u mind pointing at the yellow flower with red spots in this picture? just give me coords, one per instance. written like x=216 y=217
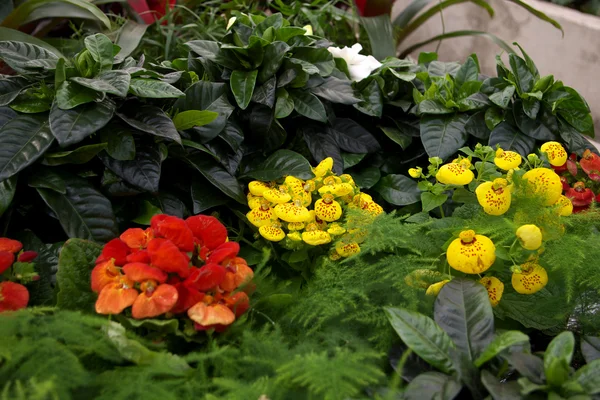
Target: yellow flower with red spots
x=507 y=160
x=494 y=287
x=471 y=253
x=494 y=197
x=455 y=174
x=546 y=183
x=529 y=278
x=556 y=153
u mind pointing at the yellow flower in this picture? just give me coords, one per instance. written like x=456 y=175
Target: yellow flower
x=254 y=201
x=366 y=203
x=257 y=188
x=507 y=160
x=272 y=232
x=494 y=287
x=308 y=29
x=471 y=253
x=297 y=187
x=295 y=236
x=346 y=178
x=494 y=196
x=532 y=278
x=277 y=196
x=454 y=174
x=316 y=237
x=323 y=168
x=555 y=152
x=422 y=278
x=337 y=189
x=336 y=229
x=564 y=206
x=320 y=224
x=262 y=215
x=292 y=212
x=545 y=182
x=510 y=173
x=530 y=236
x=328 y=209
x=347 y=249
x=415 y=172
x=434 y=290
x=296 y=226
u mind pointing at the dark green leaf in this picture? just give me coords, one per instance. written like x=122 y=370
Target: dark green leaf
x=336 y=90
x=7 y=192
x=442 y=136
x=366 y=178
x=431 y=201
x=538 y=14
x=350 y=160
x=432 y=385
x=500 y=343
x=142 y=173
x=588 y=377
x=463 y=310
x=266 y=93
x=502 y=99
x=101 y=49
x=113 y=82
x=280 y=164
x=275 y=21
x=401 y=138
x=557 y=358
x=509 y=138
x=119 y=140
x=319 y=57
x=151 y=88
x=10 y=87
x=48 y=179
x=398 y=190
x=30 y=102
x=218 y=177
x=434 y=107
x=146 y=211
x=576 y=142
x=308 y=105
x=82 y=211
x=529 y=366
x=352 y=137
x=532 y=128
x=205 y=196
x=192 y=118
x=322 y=145
x=25 y=57
x=204 y=48
x=242 y=85
x=590 y=348
x=423 y=336
x=80 y=155
x=493 y=116
x=439 y=68
x=371 y=100
x=23 y=140
x=75 y=263
x=468 y=72
x=476 y=126
x=274 y=54
x=70 y=95
x=72 y=126
x=524 y=77
x=149 y=119
x=284 y=105
x=531 y=107
x=500 y=390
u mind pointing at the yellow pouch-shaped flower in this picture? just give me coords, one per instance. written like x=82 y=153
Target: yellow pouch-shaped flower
x=544 y=182
x=276 y=196
x=292 y=212
x=254 y=201
x=296 y=226
x=532 y=278
x=295 y=236
x=273 y=232
x=336 y=229
x=261 y=215
x=323 y=168
x=454 y=174
x=555 y=152
x=564 y=206
x=494 y=287
x=299 y=189
x=471 y=253
x=257 y=188
x=337 y=189
x=494 y=197
x=347 y=249
x=530 y=236
x=316 y=237
x=507 y=160
x=328 y=209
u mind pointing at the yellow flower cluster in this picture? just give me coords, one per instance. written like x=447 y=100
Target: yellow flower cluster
x=286 y=210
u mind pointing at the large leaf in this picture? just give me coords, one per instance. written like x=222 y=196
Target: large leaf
x=588 y=377
x=10 y=87
x=284 y=105
x=18 y=36
x=7 y=193
x=21 y=13
x=319 y=57
x=468 y=72
x=464 y=312
x=80 y=155
x=308 y=105
x=443 y=135
x=557 y=358
x=114 y=82
x=500 y=343
x=242 y=85
x=192 y=118
x=352 y=137
x=398 y=190
x=432 y=385
x=531 y=127
x=381 y=35
x=274 y=54
x=142 y=173
x=371 y=100
x=424 y=337
x=509 y=138
x=72 y=126
x=539 y=14
x=529 y=366
x=75 y=263
x=322 y=145
x=336 y=90
x=216 y=175
x=23 y=57
x=205 y=195
x=130 y=36
x=282 y=163
x=151 y=88
x=70 y=95
x=119 y=141
x=47 y=178
x=500 y=390
x=23 y=140
x=590 y=348
x=266 y=93
x=524 y=77
x=149 y=119
x=82 y=211
x=101 y=50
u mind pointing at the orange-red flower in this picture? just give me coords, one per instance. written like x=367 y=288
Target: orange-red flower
x=27 y=256
x=116 y=249
x=6 y=260
x=208 y=231
x=154 y=300
x=590 y=162
x=579 y=195
x=116 y=296
x=237 y=274
x=206 y=278
x=166 y=256
x=141 y=256
x=13 y=296
x=187 y=297
x=104 y=273
x=224 y=252
x=174 y=229
x=137 y=238
x=207 y=316
x=139 y=272
x=10 y=245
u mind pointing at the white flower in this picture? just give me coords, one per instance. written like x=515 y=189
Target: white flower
x=230 y=23
x=308 y=29
x=359 y=66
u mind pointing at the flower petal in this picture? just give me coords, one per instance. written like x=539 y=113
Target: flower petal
x=160 y=301
x=225 y=251
x=141 y=256
x=116 y=249
x=6 y=260
x=166 y=256
x=13 y=296
x=545 y=182
x=139 y=272
x=494 y=287
x=208 y=230
x=137 y=238
x=530 y=236
x=259 y=217
x=174 y=229
x=532 y=278
x=103 y=274
x=10 y=245
x=27 y=256
x=187 y=297
x=316 y=238
x=556 y=153
x=114 y=298
x=238 y=303
x=211 y=315
x=470 y=253
x=329 y=212
x=454 y=174
x=206 y=277
x=272 y=233
x=290 y=212
x=495 y=197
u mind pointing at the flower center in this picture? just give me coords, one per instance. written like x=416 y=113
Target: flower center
x=467 y=236
x=579 y=187
x=328 y=198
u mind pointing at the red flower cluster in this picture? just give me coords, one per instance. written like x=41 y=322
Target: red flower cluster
x=13 y=296
x=577 y=186
x=173 y=267
x=373 y=8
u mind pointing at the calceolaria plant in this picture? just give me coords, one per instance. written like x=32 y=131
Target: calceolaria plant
x=16 y=269
x=307 y=213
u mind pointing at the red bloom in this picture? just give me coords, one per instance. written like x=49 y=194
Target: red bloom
x=224 y=252
x=137 y=238
x=206 y=278
x=579 y=195
x=152 y=10
x=6 y=260
x=208 y=230
x=103 y=274
x=139 y=256
x=27 y=256
x=115 y=297
x=237 y=274
x=561 y=169
x=238 y=303
x=572 y=164
x=166 y=256
x=187 y=297
x=116 y=249
x=565 y=183
x=174 y=229
x=13 y=296
x=139 y=272
x=373 y=8
x=12 y=246
x=154 y=300
x=590 y=162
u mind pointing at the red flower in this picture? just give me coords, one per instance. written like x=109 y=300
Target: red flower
x=12 y=246
x=154 y=300
x=139 y=272
x=152 y=10
x=166 y=256
x=373 y=8
x=27 y=256
x=206 y=278
x=237 y=274
x=6 y=260
x=579 y=195
x=223 y=253
x=116 y=249
x=560 y=169
x=13 y=296
x=137 y=238
x=590 y=162
x=565 y=183
x=572 y=164
x=139 y=256
x=174 y=229
x=209 y=232
x=238 y=302
x=187 y=298
x=103 y=274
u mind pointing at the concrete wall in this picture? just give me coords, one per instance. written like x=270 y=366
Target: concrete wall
x=574 y=58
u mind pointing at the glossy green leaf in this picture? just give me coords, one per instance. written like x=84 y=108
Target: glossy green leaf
x=399 y=137
x=398 y=190
x=101 y=49
x=280 y=164
x=442 y=136
x=476 y=126
x=286 y=33
x=431 y=201
x=217 y=176
x=557 y=358
x=205 y=196
x=274 y=54
x=381 y=35
x=72 y=126
x=29 y=101
x=336 y=90
x=352 y=137
x=75 y=263
x=10 y=87
x=502 y=99
x=534 y=128
x=500 y=343
x=242 y=85
x=18 y=36
x=114 y=82
x=319 y=57
x=423 y=336
x=284 y=105
x=590 y=348
x=266 y=93
x=142 y=173
x=308 y=105
x=82 y=211
x=371 y=100
x=21 y=13
x=529 y=366
x=500 y=390
x=493 y=116
x=366 y=178
x=523 y=76
x=192 y=118
x=80 y=155
x=7 y=193
x=151 y=88
x=120 y=144
x=509 y=138
x=467 y=72
x=588 y=377
x=70 y=95
x=432 y=385
x=47 y=178
x=23 y=140
x=26 y=57
x=146 y=211
x=149 y=119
